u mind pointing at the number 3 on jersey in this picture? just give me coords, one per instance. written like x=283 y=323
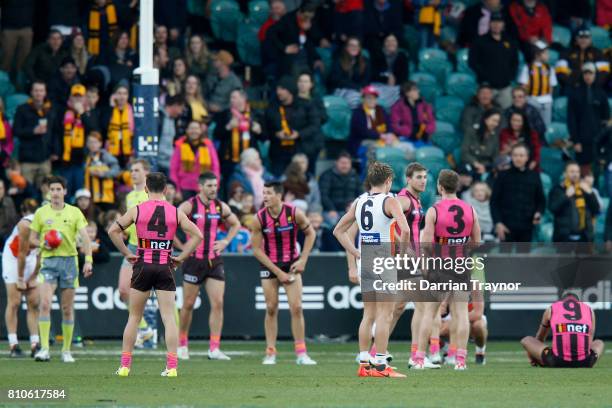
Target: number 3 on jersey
x=157 y=223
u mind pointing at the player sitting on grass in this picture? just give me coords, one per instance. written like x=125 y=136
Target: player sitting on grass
x=573 y=326
x=156 y=224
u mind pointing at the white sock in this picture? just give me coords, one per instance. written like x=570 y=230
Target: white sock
x=34 y=339
x=380 y=359
x=481 y=350
x=12 y=338
x=364 y=356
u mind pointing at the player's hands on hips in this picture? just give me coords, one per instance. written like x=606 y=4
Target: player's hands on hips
x=298 y=266
x=353 y=277
x=87 y=269
x=131 y=258
x=176 y=261
x=219 y=246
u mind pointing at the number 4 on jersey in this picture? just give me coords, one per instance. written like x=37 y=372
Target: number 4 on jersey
x=157 y=223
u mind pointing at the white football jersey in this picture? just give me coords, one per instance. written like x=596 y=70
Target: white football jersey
x=374 y=225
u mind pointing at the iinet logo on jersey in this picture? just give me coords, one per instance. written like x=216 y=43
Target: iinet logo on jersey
x=572 y=328
x=315 y=298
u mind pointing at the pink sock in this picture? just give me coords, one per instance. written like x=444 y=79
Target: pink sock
x=452 y=351
x=419 y=357
x=214 y=342
x=126 y=359
x=413 y=350
x=373 y=350
x=171 y=360
x=300 y=347
x=461 y=354
x=434 y=345
x=183 y=339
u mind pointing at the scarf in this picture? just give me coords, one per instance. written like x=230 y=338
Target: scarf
x=74 y=133
x=188 y=158
x=2 y=128
x=422 y=124
x=375 y=119
x=241 y=135
x=95 y=24
x=579 y=202
x=430 y=15
x=302 y=37
x=44 y=110
x=120 y=131
x=257 y=184
x=285 y=127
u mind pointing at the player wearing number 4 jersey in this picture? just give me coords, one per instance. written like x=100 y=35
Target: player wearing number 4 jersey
x=156 y=223
x=376 y=214
x=573 y=326
x=275 y=246
x=449 y=224
x=205 y=264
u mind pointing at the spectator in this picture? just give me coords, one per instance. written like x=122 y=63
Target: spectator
x=119 y=123
x=603 y=12
x=571 y=13
x=17 y=22
x=519 y=132
x=305 y=88
x=79 y=53
x=472 y=113
x=18 y=187
x=172 y=196
x=251 y=175
x=235 y=198
x=221 y=82
x=193 y=155
x=381 y=18
x=390 y=66
x=519 y=104
x=6 y=141
x=291 y=124
x=8 y=214
x=175 y=84
x=313 y=198
x=479 y=197
x=122 y=59
x=195 y=100
x=296 y=186
x=268 y=51
x=82 y=199
x=70 y=134
x=161 y=60
x=277 y=11
x=64 y=15
x=107 y=219
x=316 y=221
x=293 y=49
x=237 y=129
x=518 y=200
x=61 y=83
x=350 y=71
x=348 y=20
x=45 y=59
x=161 y=42
x=411 y=117
x=198 y=57
x=532 y=20
x=99 y=250
x=569 y=66
x=339 y=186
x=429 y=20
x=477 y=18
x=32 y=126
x=587 y=112
x=168 y=130
x=574 y=206
x=101 y=168
x=494 y=59
x=93 y=97
x=480 y=145
x=540 y=81
x=172 y=15
x=102 y=25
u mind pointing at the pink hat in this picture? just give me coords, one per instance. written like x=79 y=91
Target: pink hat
x=369 y=90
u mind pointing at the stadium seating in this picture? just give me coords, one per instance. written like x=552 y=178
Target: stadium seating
x=435 y=62
x=461 y=85
x=396 y=158
x=551 y=162
x=6 y=87
x=225 y=17
x=410 y=40
x=12 y=102
x=338 y=125
x=561 y=35
x=428 y=197
x=560 y=109
x=448 y=109
x=447 y=141
x=463 y=61
x=429 y=152
x=247 y=43
x=556 y=131
x=434 y=164
x=601 y=38
x=442 y=126
x=546 y=183
x=258 y=11
x=427 y=84
x=553 y=57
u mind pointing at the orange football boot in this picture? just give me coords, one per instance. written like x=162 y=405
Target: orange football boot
x=384 y=370
x=364 y=370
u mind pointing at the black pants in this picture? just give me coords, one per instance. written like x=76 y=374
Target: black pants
x=523 y=237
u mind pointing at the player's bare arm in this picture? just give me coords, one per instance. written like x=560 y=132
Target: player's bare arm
x=544 y=326
x=592 y=333
x=477 y=310
x=340 y=232
x=185 y=208
x=115 y=232
x=195 y=237
x=393 y=207
x=350 y=258
x=310 y=236
x=88 y=265
x=476 y=234
x=405 y=203
x=260 y=255
x=23 y=229
x=233 y=225
x=427 y=235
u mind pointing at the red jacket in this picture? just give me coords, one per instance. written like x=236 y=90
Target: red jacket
x=346 y=6
x=539 y=24
x=604 y=12
x=506 y=137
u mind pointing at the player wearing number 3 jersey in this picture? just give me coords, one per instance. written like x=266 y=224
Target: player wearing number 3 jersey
x=156 y=223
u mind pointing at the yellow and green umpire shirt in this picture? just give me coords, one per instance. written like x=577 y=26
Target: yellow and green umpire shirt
x=132 y=200
x=67 y=221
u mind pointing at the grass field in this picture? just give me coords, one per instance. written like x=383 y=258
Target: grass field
x=506 y=381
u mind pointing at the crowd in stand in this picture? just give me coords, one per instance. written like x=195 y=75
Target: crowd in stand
x=66 y=86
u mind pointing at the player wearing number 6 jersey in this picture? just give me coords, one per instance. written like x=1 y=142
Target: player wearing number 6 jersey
x=376 y=213
x=450 y=224
x=156 y=223
x=573 y=326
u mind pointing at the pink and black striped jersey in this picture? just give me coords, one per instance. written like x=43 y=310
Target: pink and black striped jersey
x=208 y=217
x=415 y=216
x=571 y=323
x=156 y=223
x=279 y=234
